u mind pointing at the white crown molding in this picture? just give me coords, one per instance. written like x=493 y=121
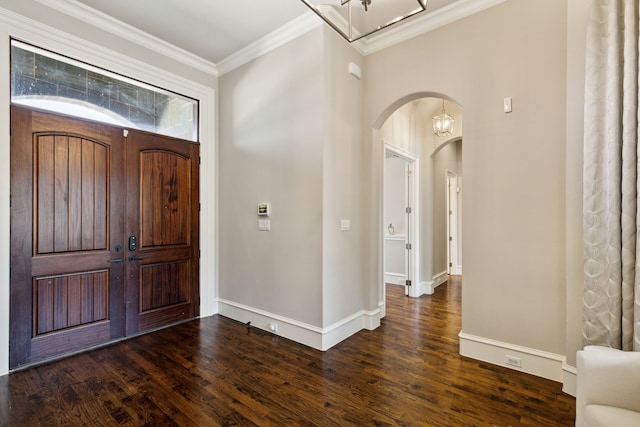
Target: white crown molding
x=293 y=29
x=425 y=23
x=289 y=31
x=101 y=20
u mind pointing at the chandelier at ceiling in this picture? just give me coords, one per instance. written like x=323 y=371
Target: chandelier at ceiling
x=443 y=123
x=355 y=19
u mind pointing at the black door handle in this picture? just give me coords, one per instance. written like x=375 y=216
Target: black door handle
x=132 y=258
x=116 y=260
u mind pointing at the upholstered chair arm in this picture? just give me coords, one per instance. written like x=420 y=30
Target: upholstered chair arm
x=607 y=377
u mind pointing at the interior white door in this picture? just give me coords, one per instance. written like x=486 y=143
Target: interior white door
x=452 y=223
x=409 y=227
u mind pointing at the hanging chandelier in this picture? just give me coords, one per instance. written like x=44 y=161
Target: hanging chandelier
x=443 y=124
x=355 y=19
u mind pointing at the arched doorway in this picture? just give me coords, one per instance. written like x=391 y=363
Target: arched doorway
x=406 y=125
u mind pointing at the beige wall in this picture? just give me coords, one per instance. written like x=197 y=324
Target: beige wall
x=342 y=285
x=513 y=164
x=271 y=150
x=291 y=136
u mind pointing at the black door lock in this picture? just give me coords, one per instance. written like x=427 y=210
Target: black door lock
x=133 y=243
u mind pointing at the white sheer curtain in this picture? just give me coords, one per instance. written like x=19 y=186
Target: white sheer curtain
x=612 y=259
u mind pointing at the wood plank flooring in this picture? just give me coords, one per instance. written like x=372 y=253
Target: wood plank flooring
x=217 y=372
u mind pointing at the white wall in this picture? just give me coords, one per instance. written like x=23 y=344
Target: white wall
x=30 y=21
x=513 y=164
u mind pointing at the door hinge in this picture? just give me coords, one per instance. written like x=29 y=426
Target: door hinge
x=199 y=160
x=450 y=264
x=408 y=246
x=450 y=239
x=199 y=253
x=199 y=207
x=408 y=210
x=407 y=282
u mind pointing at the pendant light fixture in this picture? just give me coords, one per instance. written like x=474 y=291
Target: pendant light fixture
x=443 y=123
x=355 y=19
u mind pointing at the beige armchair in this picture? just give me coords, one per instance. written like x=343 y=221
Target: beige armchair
x=608 y=388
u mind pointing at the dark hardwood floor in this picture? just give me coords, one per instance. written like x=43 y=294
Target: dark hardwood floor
x=215 y=371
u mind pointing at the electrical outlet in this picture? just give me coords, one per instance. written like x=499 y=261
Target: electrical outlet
x=513 y=361
x=273 y=327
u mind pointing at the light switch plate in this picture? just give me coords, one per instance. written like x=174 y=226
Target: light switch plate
x=264 y=225
x=508 y=106
x=345 y=225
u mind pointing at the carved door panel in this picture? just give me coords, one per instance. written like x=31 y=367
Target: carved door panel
x=77 y=280
x=162 y=231
x=67 y=223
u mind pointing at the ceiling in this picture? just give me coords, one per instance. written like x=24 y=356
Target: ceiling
x=211 y=29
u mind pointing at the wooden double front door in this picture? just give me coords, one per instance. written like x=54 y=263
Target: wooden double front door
x=104 y=234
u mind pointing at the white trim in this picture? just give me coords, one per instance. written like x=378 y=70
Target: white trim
x=440 y=278
x=118 y=28
x=295 y=28
x=289 y=31
x=395 y=278
x=5 y=210
x=300 y=332
x=42 y=35
x=428 y=288
x=395 y=274
x=425 y=23
x=47 y=37
x=569 y=379
x=535 y=362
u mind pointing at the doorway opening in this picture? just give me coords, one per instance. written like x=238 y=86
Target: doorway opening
x=406 y=128
x=400 y=211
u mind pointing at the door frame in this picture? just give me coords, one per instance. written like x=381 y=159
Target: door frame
x=413 y=225
x=13 y=25
x=453 y=244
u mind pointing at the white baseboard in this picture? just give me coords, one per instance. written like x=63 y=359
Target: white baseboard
x=569 y=379
x=395 y=278
x=535 y=362
x=300 y=332
x=428 y=288
x=440 y=278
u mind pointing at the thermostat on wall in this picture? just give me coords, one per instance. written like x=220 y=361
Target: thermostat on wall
x=263 y=209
